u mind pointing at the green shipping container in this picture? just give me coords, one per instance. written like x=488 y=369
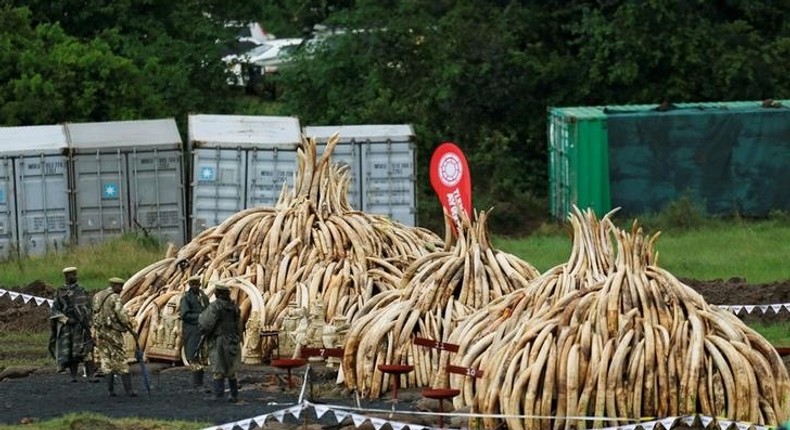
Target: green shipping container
x=578 y=160
x=729 y=157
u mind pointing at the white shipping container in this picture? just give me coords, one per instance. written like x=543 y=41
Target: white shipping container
x=127 y=176
x=34 y=204
x=381 y=157
x=238 y=162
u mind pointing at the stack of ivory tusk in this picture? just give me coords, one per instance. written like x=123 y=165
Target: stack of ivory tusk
x=634 y=343
x=437 y=290
x=591 y=259
x=311 y=242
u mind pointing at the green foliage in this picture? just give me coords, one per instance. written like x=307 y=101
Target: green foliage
x=483 y=73
x=480 y=74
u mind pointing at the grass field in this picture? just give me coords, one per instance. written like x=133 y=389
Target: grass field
x=96 y=421
x=757 y=251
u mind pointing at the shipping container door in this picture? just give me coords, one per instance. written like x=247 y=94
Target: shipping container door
x=42 y=202
x=388 y=179
x=268 y=170
x=559 y=166
x=8 y=245
x=346 y=153
x=101 y=196
x=157 y=194
x=217 y=185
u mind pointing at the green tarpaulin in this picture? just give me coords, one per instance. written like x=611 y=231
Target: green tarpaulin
x=726 y=160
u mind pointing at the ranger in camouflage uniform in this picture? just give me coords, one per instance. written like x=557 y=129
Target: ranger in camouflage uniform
x=110 y=322
x=70 y=341
x=193 y=302
x=221 y=324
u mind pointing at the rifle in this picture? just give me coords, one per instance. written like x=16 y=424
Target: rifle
x=196 y=355
x=138 y=354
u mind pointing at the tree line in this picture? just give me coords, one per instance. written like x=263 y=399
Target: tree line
x=479 y=73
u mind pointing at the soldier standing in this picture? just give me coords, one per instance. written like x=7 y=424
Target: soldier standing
x=193 y=302
x=110 y=322
x=70 y=340
x=220 y=323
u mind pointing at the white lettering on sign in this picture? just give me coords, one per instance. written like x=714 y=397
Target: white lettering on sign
x=454 y=200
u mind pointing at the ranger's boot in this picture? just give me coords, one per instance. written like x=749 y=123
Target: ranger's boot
x=219 y=390
x=90 y=371
x=197 y=380
x=234 y=390
x=126 y=378
x=73 y=371
x=111 y=384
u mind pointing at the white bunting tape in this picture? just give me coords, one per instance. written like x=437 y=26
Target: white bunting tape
x=342 y=412
x=736 y=309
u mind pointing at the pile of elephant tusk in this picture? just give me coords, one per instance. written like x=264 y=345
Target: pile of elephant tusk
x=312 y=244
x=604 y=339
x=437 y=290
x=611 y=334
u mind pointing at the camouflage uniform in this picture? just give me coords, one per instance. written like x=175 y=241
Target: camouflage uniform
x=221 y=324
x=193 y=302
x=71 y=335
x=110 y=322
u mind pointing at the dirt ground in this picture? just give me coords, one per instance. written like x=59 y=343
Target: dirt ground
x=35 y=394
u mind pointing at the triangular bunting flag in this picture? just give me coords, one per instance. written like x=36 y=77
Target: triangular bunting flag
x=320 y=410
x=13 y=295
x=50 y=302
x=26 y=297
x=687 y=420
x=648 y=425
x=40 y=300
x=724 y=424
x=278 y=415
x=340 y=415
x=261 y=420
x=668 y=422
x=227 y=426
x=787 y=306
x=725 y=307
x=2 y=291
x=358 y=419
x=761 y=427
x=628 y=427
x=736 y=309
x=743 y=426
x=295 y=411
x=245 y=424
x=378 y=423
x=396 y=425
x=763 y=308
x=776 y=308
x=749 y=308
x=705 y=420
